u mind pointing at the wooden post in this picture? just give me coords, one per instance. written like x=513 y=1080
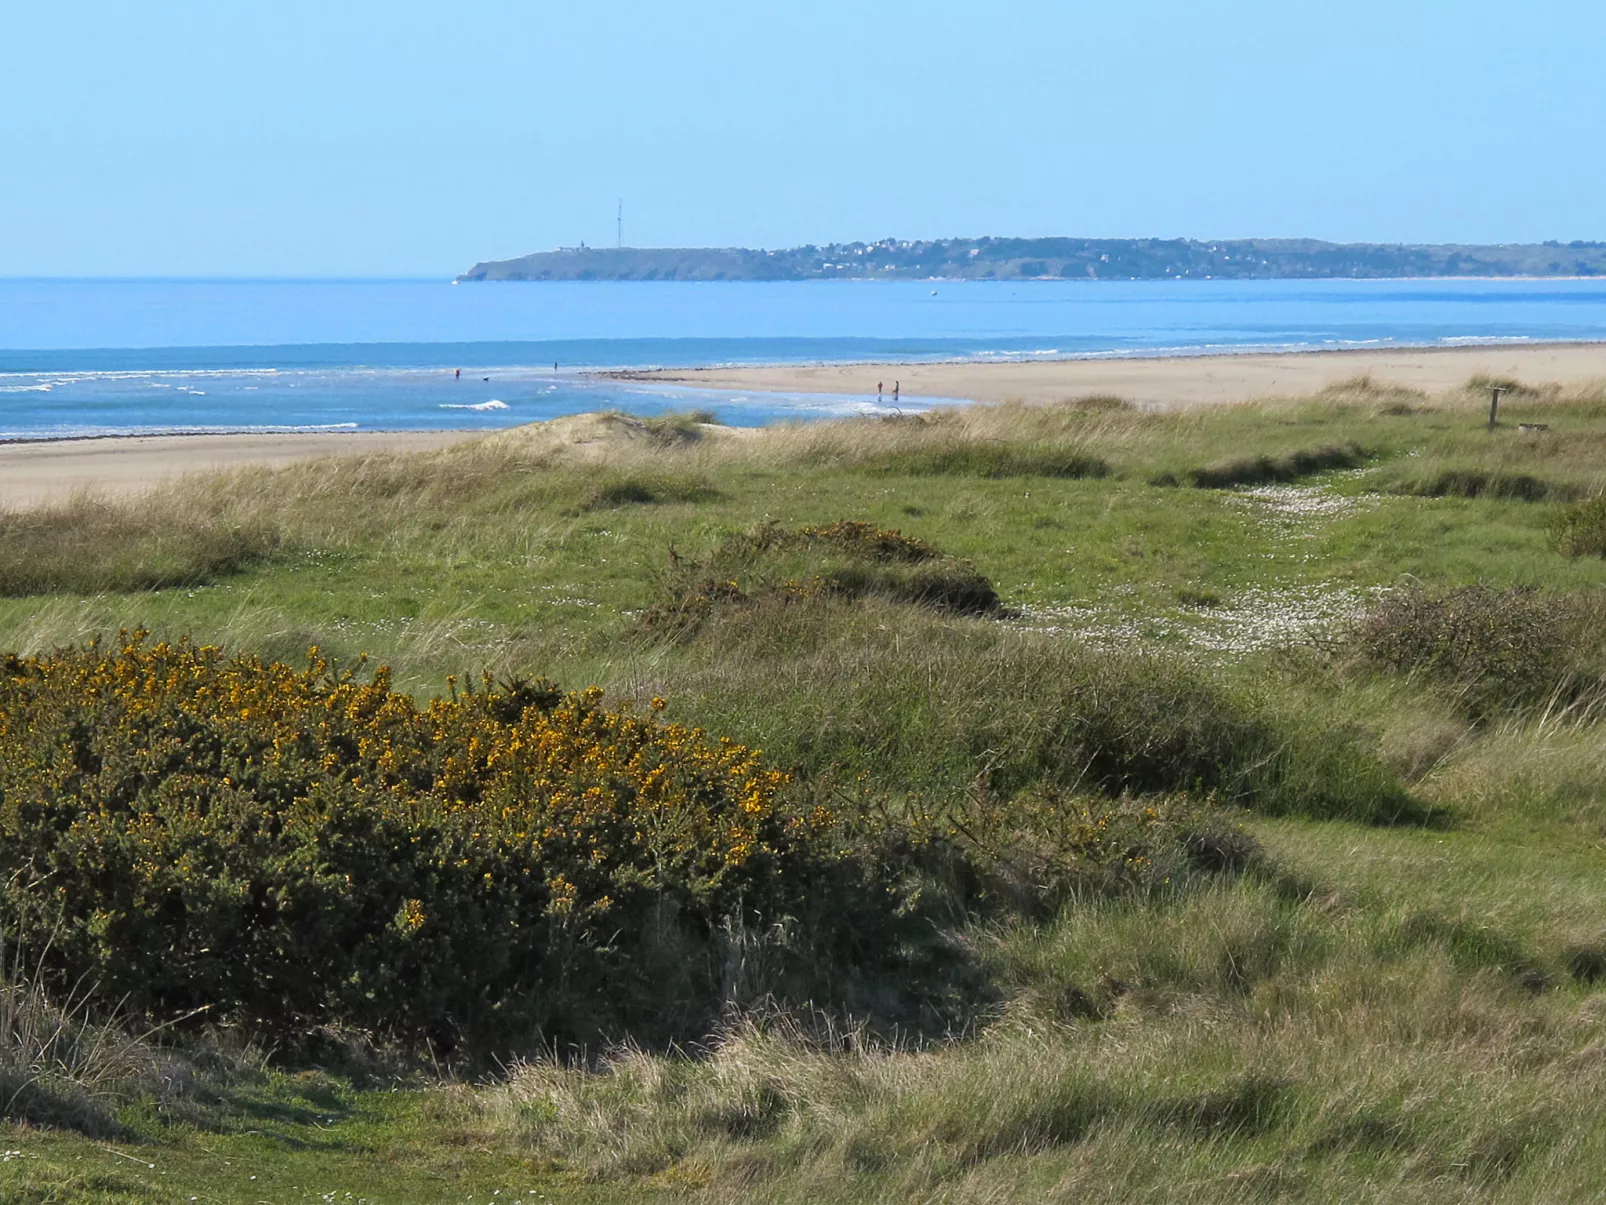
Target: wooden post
x=1494 y=404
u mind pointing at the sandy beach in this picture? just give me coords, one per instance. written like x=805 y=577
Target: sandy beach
x=54 y=470
x=1161 y=381
x=47 y=471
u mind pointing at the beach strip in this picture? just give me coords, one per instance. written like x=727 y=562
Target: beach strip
x=1164 y=382
x=47 y=471
x=43 y=471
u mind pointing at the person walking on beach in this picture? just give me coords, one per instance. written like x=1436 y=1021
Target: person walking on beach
x=878 y=391
x=894 y=391
x=458 y=375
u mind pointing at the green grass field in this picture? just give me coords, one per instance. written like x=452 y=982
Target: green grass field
x=1355 y=949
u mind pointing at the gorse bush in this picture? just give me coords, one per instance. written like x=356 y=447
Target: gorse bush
x=296 y=848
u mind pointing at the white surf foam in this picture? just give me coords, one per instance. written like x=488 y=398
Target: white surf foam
x=71 y=432
x=493 y=404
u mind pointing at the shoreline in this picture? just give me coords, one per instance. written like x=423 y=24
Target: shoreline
x=352 y=432
x=54 y=469
x=1163 y=381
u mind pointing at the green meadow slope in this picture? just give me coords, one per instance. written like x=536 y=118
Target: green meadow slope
x=1202 y=805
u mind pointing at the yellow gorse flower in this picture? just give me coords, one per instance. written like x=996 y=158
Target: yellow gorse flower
x=171 y=792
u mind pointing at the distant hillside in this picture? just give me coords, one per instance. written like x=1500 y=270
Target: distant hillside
x=1053 y=258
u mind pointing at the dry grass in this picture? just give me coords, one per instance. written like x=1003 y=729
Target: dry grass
x=1073 y=440
x=1547 y=771
x=1250 y=1042
x=85 y=546
x=1391 y=398
x=63 y=1066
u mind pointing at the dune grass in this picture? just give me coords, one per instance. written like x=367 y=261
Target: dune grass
x=1288 y=786
x=1238 y=1048
x=85 y=547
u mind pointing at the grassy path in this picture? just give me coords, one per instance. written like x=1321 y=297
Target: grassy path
x=311 y=1142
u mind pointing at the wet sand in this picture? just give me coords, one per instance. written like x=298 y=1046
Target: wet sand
x=1163 y=382
x=55 y=470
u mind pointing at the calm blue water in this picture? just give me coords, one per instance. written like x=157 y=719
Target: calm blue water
x=86 y=357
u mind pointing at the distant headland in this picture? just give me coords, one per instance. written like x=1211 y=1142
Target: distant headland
x=1055 y=259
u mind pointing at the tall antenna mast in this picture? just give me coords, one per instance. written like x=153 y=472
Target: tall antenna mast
x=621 y=221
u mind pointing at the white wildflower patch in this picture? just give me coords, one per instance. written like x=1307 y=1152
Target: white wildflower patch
x=1261 y=618
x=1297 y=510
x=1100 y=625
x=1258 y=617
x=449 y=629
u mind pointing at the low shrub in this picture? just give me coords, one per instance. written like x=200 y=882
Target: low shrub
x=646 y=490
x=848 y=536
x=1481 y=483
x=1031 y=854
x=1194 y=597
x=1270 y=470
x=1580 y=530
x=846 y=560
x=1494 y=650
x=992 y=460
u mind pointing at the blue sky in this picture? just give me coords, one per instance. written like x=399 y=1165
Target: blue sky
x=402 y=138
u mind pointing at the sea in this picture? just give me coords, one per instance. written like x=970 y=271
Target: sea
x=82 y=358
